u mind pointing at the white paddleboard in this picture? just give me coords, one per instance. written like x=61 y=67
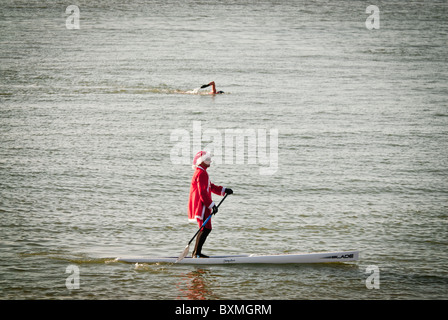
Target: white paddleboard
x=318 y=257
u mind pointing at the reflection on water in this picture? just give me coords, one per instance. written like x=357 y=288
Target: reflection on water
x=196 y=285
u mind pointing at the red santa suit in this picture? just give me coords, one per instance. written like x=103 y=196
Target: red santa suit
x=201 y=203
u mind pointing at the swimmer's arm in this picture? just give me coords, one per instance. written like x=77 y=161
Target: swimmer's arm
x=213 y=87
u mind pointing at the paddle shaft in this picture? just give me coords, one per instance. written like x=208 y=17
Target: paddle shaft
x=206 y=220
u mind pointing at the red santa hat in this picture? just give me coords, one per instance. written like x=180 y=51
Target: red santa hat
x=201 y=156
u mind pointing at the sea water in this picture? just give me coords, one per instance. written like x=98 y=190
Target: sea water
x=350 y=103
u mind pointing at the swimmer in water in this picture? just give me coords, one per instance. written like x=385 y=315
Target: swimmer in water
x=213 y=88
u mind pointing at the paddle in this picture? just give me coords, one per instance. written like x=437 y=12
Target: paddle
x=187 y=248
x=205 y=86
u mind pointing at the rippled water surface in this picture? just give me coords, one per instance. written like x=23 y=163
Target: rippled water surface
x=88 y=162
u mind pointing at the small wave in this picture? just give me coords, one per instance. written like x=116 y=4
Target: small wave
x=157 y=90
x=153 y=267
x=194 y=91
x=140 y=89
x=81 y=259
x=86 y=260
x=197 y=91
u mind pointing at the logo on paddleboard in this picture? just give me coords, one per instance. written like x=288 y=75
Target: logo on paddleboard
x=229 y=260
x=342 y=256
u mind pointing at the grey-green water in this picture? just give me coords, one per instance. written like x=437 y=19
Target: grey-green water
x=87 y=174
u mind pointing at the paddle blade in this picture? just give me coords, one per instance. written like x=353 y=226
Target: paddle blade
x=205 y=86
x=184 y=253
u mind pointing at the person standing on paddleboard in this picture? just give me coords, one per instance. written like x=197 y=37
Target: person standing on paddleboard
x=201 y=205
